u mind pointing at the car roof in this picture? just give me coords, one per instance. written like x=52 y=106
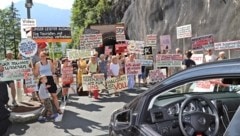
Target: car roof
x=216 y=69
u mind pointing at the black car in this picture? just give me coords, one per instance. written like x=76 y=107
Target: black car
x=199 y=101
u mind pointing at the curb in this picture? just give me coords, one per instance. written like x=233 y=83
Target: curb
x=24 y=117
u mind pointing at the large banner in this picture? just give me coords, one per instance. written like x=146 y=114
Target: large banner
x=93 y=82
x=151 y=40
x=91 y=41
x=14 y=69
x=169 y=60
x=144 y=62
x=184 y=31
x=73 y=54
x=133 y=68
x=136 y=47
x=26 y=27
x=165 y=42
x=120 y=34
x=156 y=75
x=227 y=45
x=117 y=84
x=202 y=43
x=197 y=58
x=51 y=34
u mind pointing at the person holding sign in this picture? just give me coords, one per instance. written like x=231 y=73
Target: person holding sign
x=115 y=69
x=67 y=78
x=131 y=78
x=82 y=66
x=45 y=67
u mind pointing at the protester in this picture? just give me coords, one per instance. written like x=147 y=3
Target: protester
x=45 y=67
x=188 y=62
x=82 y=66
x=11 y=84
x=4 y=113
x=115 y=69
x=131 y=78
x=221 y=56
x=67 y=79
x=47 y=113
x=92 y=68
x=103 y=65
x=210 y=57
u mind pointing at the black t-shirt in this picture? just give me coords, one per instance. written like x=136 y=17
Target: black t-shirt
x=189 y=63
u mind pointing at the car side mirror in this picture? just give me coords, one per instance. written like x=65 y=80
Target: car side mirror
x=122 y=120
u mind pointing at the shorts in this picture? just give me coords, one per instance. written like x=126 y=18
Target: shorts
x=53 y=86
x=9 y=82
x=66 y=86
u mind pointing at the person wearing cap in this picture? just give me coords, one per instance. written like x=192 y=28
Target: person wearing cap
x=11 y=84
x=210 y=57
x=221 y=56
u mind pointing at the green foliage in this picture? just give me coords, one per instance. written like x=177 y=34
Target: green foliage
x=85 y=13
x=10 y=34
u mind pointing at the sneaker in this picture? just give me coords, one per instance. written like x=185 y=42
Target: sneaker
x=14 y=103
x=42 y=119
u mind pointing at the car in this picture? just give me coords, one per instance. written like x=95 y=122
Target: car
x=197 y=101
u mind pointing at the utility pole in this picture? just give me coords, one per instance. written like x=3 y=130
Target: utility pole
x=28 y=5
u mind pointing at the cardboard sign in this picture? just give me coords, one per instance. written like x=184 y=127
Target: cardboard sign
x=120 y=34
x=135 y=47
x=26 y=27
x=94 y=82
x=91 y=41
x=76 y=54
x=169 y=60
x=121 y=48
x=52 y=34
x=144 y=62
x=117 y=84
x=27 y=48
x=184 y=31
x=197 y=58
x=30 y=82
x=147 y=50
x=67 y=75
x=227 y=45
x=203 y=86
x=133 y=68
x=165 y=42
x=151 y=40
x=14 y=69
x=202 y=43
x=156 y=75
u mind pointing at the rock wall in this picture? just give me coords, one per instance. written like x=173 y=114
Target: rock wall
x=218 y=17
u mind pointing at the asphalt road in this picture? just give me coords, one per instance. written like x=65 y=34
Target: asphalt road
x=84 y=116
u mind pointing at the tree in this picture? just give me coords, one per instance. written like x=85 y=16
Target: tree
x=85 y=13
x=10 y=34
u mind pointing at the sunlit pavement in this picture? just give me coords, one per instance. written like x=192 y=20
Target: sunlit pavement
x=84 y=116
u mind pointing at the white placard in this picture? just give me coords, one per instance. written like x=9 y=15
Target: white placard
x=27 y=48
x=184 y=31
x=26 y=25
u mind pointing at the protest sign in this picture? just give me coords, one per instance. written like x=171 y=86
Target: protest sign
x=156 y=75
x=165 y=42
x=29 y=80
x=121 y=48
x=94 y=82
x=91 y=41
x=184 y=31
x=133 y=68
x=135 y=46
x=117 y=84
x=144 y=62
x=26 y=27
x=197 y=58
x=67 y=75
x=14 y=69
x=202 y=43
x=27 y=48
x=168 y=60
x=227 y=45
x=120 y=34
x=151 y=40
x=73 y=54
x=147 y=50
x=51 y=34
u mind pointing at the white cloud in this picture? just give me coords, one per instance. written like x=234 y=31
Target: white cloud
x=62 y=4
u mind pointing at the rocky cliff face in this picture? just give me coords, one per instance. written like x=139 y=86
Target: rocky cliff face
x=218 y=17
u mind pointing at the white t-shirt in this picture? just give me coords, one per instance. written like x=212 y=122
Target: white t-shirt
x=43 y=92
x=210 y=58
x=115 y=69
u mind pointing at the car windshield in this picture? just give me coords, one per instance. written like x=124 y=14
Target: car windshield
x=204 y=86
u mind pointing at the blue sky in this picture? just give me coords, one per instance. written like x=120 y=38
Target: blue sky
x=61 y=4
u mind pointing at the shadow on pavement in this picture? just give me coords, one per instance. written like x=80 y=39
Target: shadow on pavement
x=18 y=129
x=87 y=107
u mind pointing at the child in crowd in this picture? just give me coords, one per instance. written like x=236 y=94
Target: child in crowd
x=47 y=113
x=115 y=69
x=67 y=78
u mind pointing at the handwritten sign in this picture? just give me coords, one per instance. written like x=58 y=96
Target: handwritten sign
x=94 y=82
x=197 y=58
x=73 y=54
x=151 y=40
x=133 y=68
x=67 y=75
x=227 y=45
x=156 y=75
x=52 y=34
x=120 y=34
x=30 y=82
x=117 y=84
x=165 y=42
x=184 y=31
x=14 y=70
x=203 y=42
x=168 y=60
x=91 y=41
x=135 y=47
x=27 y=48
x=121 y=47
x=145 y=62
